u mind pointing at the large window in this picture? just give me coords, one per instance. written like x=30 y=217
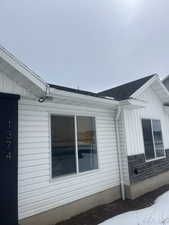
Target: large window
x=73 y=140
x=153 y=141
x=87 y=150
x=63 y=145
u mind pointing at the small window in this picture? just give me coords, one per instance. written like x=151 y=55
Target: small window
x=148 y=139
x=74 y=149
x=153 y=141
x=158 y=140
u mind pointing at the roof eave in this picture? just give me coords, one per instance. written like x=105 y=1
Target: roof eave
x=137 y=93
x=20 y=73
x=65 y=96
x=158 y=87
x=132 y=104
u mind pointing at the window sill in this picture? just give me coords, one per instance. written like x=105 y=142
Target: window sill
x=155 y=159
x=73 y=175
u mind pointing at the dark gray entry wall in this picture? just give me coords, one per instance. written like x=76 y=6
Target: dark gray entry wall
x=9 y=159
x=140 y=170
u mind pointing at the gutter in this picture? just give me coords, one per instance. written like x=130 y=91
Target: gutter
x=119 y=110
x=61 y=94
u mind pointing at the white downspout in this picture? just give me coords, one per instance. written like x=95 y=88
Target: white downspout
x=119 y=153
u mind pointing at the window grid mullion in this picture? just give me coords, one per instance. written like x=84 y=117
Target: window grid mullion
x=153 y=139
x=76 y=145
x=162 y=140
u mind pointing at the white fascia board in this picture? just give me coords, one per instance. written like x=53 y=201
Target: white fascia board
x=23 y=69
x=149 y=83
x=60 y=94
x=132 y=104
x=144 y=87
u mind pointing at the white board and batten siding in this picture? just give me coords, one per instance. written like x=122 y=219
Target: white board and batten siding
x=37 y=191
x=153 y=110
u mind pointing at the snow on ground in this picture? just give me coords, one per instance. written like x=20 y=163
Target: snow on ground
x=157 y=214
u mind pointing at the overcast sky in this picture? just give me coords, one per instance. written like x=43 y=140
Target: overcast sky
x=90 y=44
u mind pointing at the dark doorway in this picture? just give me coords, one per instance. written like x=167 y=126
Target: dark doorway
x=8 y=159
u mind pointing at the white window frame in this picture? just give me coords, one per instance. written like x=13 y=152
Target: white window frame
x=77 y=173
x=155 y=154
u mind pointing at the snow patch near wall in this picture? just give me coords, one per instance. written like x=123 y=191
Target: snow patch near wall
x=157 y=214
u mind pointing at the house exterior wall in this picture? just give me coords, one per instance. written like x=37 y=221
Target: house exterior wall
x=37 y=191
x=144 y=175
x=153 y=110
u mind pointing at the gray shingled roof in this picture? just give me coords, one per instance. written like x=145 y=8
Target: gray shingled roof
x=119 y=93
x=125 y=91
